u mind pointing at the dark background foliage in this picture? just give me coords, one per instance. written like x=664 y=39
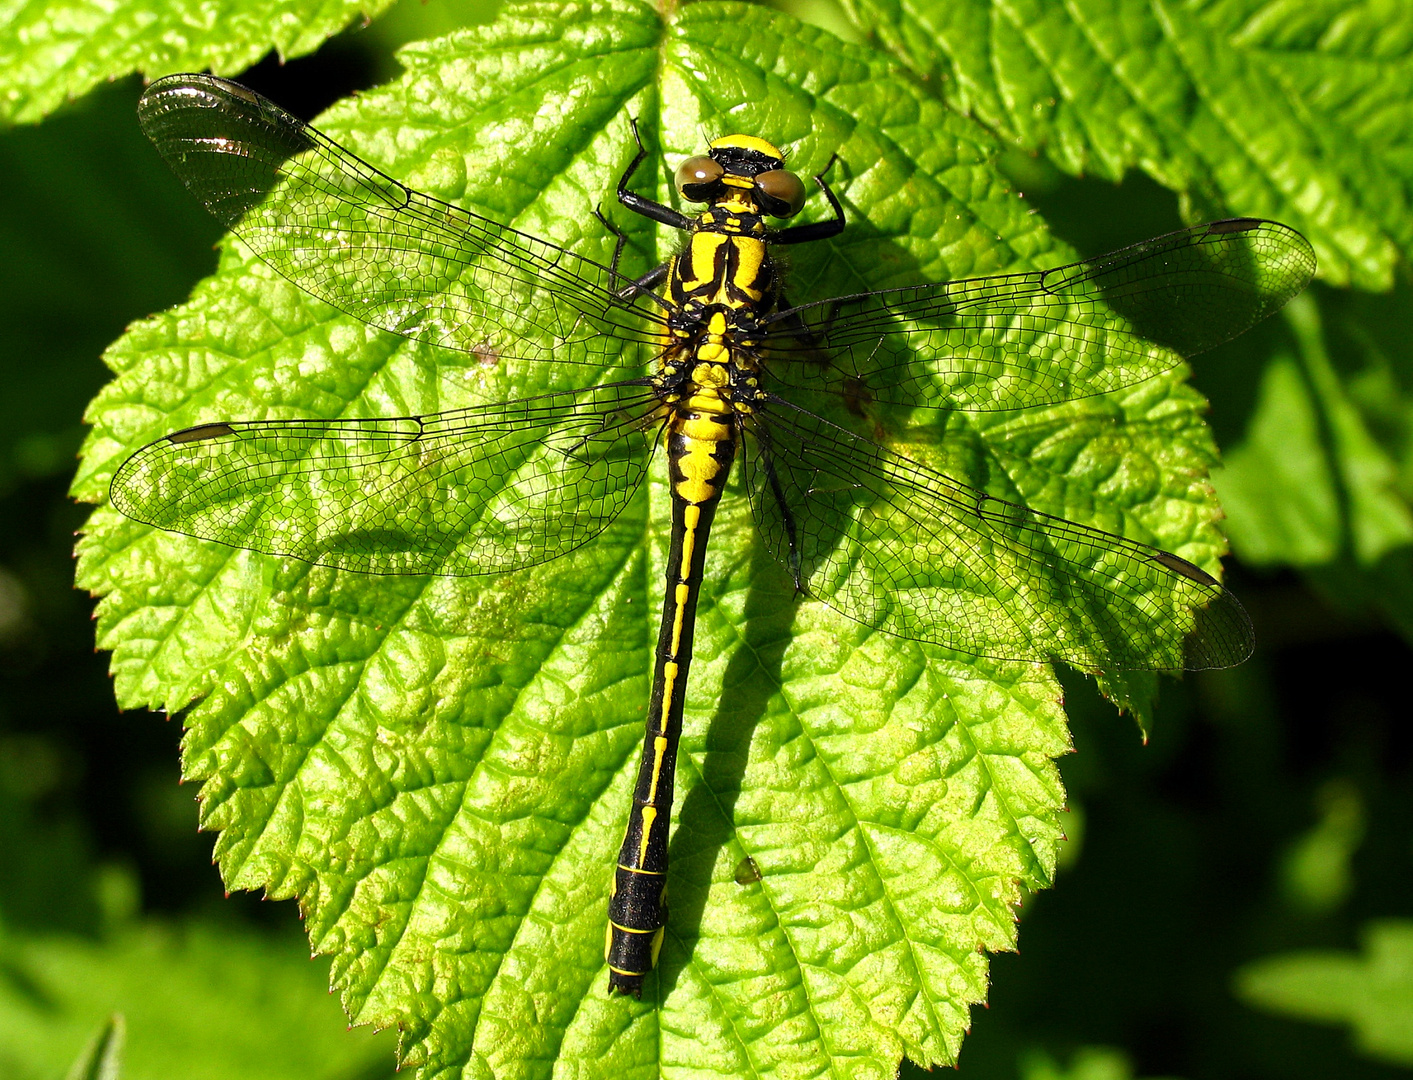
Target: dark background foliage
x=1179 y=869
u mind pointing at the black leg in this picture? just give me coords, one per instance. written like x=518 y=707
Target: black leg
x=818 y=230
x=638 y=286
x=810 y=334
x=620 y=241
x=787 y=318
x=647 y=283
x=663 y=215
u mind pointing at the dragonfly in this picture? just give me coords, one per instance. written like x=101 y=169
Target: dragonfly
x=705 y=357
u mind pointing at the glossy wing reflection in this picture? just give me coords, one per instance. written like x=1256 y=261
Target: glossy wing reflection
x=1022 y=340
x=902 y=548
x=386 y=254
x=471 y=491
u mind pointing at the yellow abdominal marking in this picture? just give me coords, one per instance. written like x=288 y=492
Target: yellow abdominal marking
x=698 y=465
x=708 y=375
x=659 y=748
x=691 y=517
x=657 y=942
x=649 y=816
x=669 y=679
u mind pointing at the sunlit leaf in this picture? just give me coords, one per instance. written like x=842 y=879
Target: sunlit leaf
x=440 y=768
x=1293 y=111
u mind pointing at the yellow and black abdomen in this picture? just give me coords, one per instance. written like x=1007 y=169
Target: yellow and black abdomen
x=701 y=445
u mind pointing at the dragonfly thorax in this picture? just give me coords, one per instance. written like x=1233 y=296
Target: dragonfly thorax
x=724 y=282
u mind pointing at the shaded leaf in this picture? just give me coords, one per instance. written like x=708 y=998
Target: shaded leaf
x=1372 y=992
x=200 y=1002
x=1088 y=1063
x=1315 y=873
x=102 y=1058
x=1320 y=479
x=52 y=52
x=91 y=239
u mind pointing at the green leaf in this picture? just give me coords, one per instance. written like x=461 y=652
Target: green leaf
x=440 y=768
x=1309 y=447
x=1315 y=872
x=1322 y=478
x=1372 y=992
x=198 y=1002
x=46 y=878
x=1293 y=111
x=52 y=51
x=102 y=1058
x=1088 y=1063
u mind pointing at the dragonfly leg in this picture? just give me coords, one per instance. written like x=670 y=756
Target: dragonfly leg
x=792 y=325
x=663 y=215
x=815 y=335
x=817 y=230
x=636 y=286
x=648 y=282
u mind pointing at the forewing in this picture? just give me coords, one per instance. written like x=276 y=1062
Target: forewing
x=376 y=249
x=472 y=491
x=902 y=548
x=1022 y=340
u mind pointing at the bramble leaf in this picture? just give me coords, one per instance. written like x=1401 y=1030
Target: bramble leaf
x=1297 y=112
x=1320 y=479
x=1372 y=992
x=439 y=769
x=52 y=51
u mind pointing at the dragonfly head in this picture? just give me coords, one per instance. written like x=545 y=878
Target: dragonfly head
x=742 y=166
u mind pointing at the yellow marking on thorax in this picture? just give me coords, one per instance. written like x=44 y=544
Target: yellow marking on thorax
x=750 y=261
x=698 y=265
x=713 y=349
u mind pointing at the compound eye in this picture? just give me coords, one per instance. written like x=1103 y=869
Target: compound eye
x=782 y=193
x=697 y=178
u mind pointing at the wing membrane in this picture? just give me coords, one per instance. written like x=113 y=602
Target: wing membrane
x=472 y=491
x=907 y=550
x=1022 y=340
x=376 y=249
